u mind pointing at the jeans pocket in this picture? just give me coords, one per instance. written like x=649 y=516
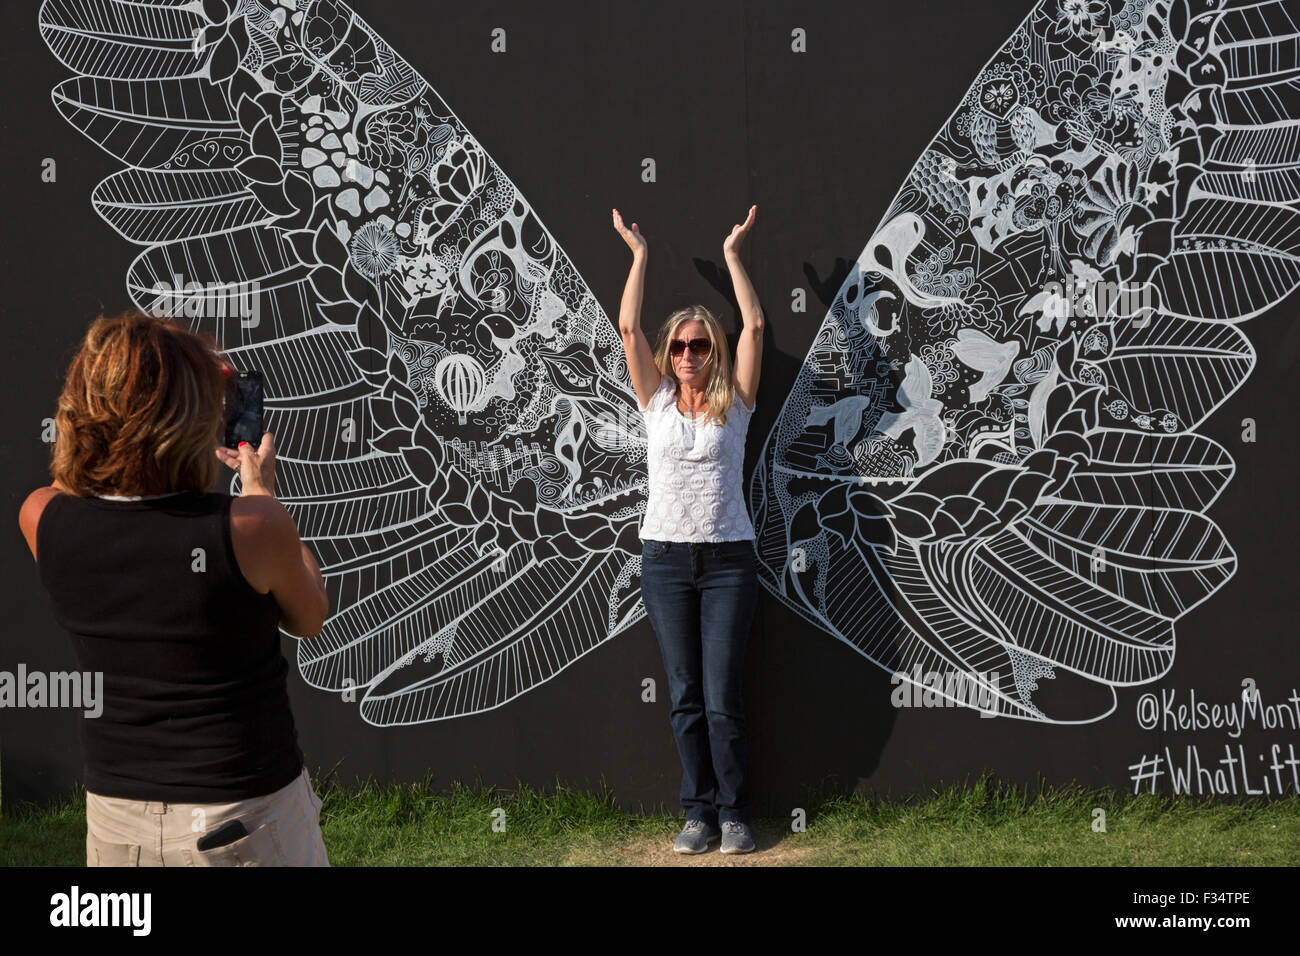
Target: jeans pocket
x=103 y=853
x=259 y=848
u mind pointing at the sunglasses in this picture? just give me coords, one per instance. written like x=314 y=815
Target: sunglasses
x=700 y=347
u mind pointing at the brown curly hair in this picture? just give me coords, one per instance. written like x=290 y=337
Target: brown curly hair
x=141 y=410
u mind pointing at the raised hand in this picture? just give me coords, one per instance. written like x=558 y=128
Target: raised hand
x=635 y=241
x=738 y=232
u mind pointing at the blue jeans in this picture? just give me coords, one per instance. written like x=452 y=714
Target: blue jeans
x=700 y=598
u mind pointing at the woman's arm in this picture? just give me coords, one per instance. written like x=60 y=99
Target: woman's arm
x=267 y=548
x=640 y=359
x=275 y=561
x=749 y=349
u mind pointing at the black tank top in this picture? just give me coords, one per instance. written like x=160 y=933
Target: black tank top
x=195 y=707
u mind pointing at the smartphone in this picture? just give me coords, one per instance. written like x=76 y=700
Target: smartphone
x=244 y=409
x=224 y=835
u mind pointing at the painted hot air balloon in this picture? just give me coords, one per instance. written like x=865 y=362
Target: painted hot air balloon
x=459 y=379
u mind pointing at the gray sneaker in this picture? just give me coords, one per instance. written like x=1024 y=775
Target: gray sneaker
x=695 y=837
x=736 y=838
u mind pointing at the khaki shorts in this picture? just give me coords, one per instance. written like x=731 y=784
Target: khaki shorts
x=283 y=830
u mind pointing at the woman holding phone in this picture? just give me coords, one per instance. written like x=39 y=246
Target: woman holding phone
x=177 y=595
x=699 y=577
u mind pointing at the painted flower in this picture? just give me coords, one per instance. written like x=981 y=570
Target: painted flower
x=1088 y=115
x=1075 y=26
x=1109 y=201
x=400 y=137
x=374 y=250
x=1081 y=15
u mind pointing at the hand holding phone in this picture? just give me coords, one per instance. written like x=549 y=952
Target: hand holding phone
x=256 y=467
x=243 y=431
x=244 y=408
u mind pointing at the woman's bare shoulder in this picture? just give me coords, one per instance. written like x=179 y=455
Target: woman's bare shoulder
x=29 y=515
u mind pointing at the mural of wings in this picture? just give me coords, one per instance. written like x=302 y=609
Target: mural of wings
x=989 y=465
x=457 y=436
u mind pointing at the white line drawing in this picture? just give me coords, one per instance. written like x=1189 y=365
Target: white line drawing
x=1025 y=349
x=460 y=442
x=458 y=437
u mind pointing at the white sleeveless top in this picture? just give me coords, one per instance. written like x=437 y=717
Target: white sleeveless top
x=695 y=473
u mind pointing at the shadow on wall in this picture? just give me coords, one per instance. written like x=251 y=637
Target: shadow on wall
x=796 y=748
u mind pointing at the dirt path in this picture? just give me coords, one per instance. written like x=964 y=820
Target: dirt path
x=772 y=848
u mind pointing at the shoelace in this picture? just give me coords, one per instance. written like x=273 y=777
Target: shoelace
x=734 y=827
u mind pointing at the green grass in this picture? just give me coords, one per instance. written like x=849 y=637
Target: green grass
x=979 y=824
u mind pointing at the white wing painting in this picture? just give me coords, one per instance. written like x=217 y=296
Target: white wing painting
x=458 y=439
x=989 y=461
x=989 y=464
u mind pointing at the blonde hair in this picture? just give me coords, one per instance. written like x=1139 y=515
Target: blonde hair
x=720 y=392
x=141 y=410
